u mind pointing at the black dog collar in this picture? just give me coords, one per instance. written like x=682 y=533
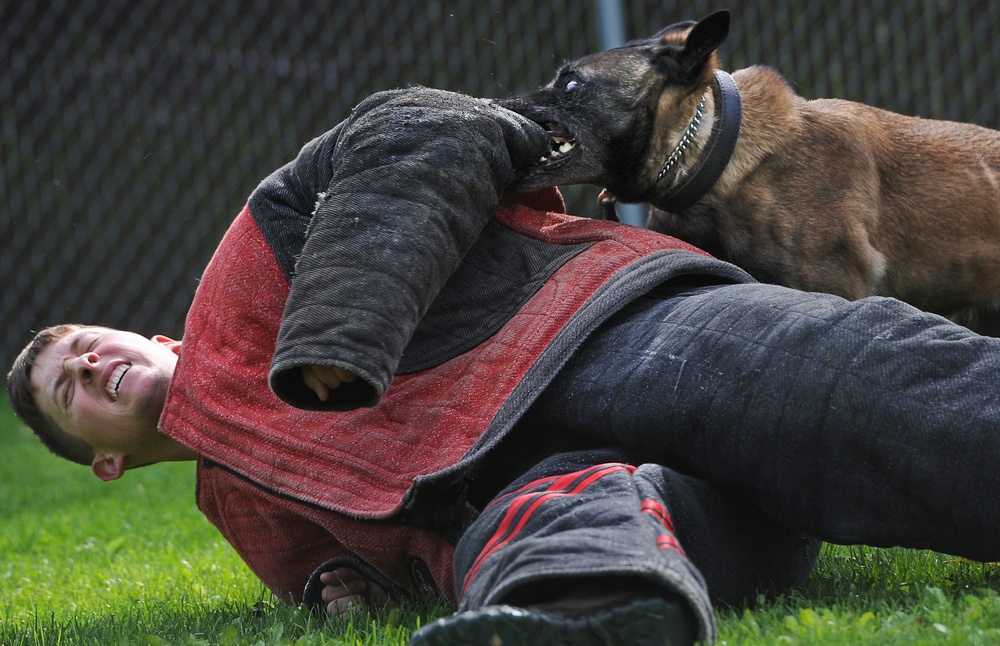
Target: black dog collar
x=718 y=150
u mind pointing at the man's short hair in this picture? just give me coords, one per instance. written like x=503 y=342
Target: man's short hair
x=22 y=399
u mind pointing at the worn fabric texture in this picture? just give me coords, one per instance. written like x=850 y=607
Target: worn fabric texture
x=859 y=422
x=414 y=177
x=575 y=520
x=372 y=463
x=468 y=373
x=366 y=462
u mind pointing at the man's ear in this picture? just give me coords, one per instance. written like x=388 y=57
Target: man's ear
x=173 y=346
x=108 y=467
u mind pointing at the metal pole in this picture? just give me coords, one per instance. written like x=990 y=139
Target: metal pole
x=611 y=22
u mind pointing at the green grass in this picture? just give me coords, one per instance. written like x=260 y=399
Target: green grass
x=133 y=562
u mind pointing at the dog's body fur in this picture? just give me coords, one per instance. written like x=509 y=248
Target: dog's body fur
x=822 y=195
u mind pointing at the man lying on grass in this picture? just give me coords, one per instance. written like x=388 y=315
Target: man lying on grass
x=400 y=377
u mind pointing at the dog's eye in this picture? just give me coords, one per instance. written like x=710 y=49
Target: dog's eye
x=570 y=86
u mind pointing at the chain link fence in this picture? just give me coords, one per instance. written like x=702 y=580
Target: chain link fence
x=132 y=131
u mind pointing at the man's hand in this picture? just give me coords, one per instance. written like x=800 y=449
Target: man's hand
x=345 y=588
x=322 y=379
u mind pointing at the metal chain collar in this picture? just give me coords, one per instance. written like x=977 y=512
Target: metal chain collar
x=685 y=141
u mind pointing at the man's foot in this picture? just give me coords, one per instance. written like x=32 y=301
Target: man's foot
x=646 y=621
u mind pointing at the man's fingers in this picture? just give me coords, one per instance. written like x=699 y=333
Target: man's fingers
x=344 y=375
x=340 y=606
x=315 y=384
x=322 y=379
x=345 y=588
x=338 y=575
x=328 y=375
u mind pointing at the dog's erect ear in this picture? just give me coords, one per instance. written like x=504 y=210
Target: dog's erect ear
x=689 y=54
x=675 y=31
x=707 y=35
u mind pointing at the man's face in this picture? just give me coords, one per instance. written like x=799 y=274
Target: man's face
x=105 y=386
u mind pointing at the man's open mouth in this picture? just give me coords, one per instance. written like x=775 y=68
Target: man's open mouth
x=115 y=380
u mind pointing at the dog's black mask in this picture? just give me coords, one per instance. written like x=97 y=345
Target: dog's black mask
x=603 y=110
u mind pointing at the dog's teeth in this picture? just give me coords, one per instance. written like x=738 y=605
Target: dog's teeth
x=560 y=145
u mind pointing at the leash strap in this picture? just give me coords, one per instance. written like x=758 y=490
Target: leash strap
x=718 y=150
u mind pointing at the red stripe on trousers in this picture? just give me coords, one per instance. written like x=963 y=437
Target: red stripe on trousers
x=654 y=508
x=514 y=519
x=659 y=512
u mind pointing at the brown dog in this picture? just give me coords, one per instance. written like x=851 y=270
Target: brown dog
x=823 y=195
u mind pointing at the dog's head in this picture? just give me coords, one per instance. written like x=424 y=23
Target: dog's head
x=604 y=111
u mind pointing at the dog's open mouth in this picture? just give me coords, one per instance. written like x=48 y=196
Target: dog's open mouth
x=554 y=163
x=562 y=142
